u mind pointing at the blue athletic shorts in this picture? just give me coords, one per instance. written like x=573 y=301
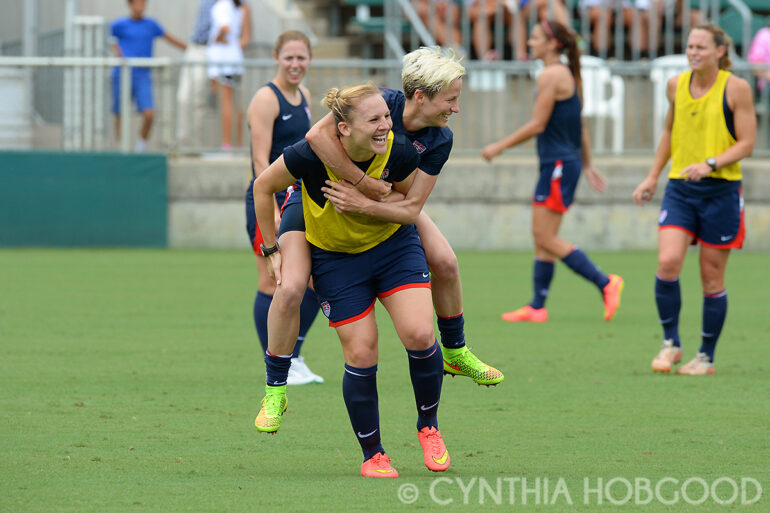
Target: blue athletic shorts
x=292 y=217
x=710 y=210
x=141 y=92
x=556 y=186
x=255 y=237
x=348 y=285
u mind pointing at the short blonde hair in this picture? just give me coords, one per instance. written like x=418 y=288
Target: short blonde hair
x=343 y=102
x=430 y=69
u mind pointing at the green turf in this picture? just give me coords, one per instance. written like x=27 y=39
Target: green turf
x=130 y=381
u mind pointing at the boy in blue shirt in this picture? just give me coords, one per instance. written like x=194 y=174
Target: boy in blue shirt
x=135 y=36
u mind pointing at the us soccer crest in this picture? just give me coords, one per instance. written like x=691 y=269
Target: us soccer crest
x=385 y=174
x=307 y=111
x=326 y=308
x=663 y=215
x=420 y=147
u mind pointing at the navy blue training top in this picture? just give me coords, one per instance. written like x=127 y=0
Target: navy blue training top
x=432 y=143
x=291 y=124
x=562 y=137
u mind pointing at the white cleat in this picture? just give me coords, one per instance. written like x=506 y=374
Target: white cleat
x=300 y=373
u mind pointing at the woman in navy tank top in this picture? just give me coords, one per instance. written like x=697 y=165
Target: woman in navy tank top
x=563 y=149
x=279 y=116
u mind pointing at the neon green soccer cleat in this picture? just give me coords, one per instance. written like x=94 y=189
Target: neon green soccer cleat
x=273 y=405
x=461 y=362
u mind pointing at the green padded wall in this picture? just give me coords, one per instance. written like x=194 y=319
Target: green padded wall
x=82 y=199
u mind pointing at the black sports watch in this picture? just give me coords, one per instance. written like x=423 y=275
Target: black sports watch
x=712 y=162
x=266 y=252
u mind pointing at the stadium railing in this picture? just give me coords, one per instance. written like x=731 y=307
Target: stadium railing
x=496 y=99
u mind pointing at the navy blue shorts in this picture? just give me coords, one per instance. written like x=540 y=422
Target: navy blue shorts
x=141 y=92
x=348 y=284
x=556 y=186
x=710 y=210
x=292 y=217
x=255 y=237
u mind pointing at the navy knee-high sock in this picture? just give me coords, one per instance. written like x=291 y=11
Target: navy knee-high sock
x=582 y=265
x=452 y=330
x=261 y=307
x=277 y=368
x=427 y=371
x=668 y=297
x=359 y=389
x=714 y=313
x=308 y=310
x=542 y=274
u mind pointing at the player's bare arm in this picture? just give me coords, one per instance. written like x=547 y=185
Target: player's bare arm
x=415 y=189
x=547 y=85
x=261 y=114
x=646 y=190
x=596 y=180
x=273 y=179
x=324 y=142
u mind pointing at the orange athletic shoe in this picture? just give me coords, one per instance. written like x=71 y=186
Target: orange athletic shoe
x=378 y=466
x=669 y=355
x=611 y=293
x=526 y=314
x=701 y=365
x=433 y=448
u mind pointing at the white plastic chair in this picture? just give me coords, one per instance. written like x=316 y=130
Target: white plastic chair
x=662 y=69
x=597 y=77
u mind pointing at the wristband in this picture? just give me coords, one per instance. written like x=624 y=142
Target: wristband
x=266 y=252
x=359 y=180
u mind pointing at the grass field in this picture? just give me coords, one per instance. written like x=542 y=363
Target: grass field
x=131 y=378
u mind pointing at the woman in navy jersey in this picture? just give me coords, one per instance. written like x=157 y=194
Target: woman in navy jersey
x=279 y=116
x=563 y=149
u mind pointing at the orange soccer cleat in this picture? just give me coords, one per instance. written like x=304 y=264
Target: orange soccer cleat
x=526 y=314
x=611 y=293
x=433 y=448
x=378 y=466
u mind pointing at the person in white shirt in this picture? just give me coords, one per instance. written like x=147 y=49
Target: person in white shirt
x=230 y=33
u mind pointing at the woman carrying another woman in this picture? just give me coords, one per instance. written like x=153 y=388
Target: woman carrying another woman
x=563 y=148
x=279 y=116
x=356 y=260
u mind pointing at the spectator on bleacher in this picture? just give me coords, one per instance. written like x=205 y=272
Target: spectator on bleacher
x=445 y=35
x=230 y=34
x=192 y=92
x=601 y=14
x=559 y=15
x=134 y=37
x=483 y=14
x=759 y=53
x=663 y=6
